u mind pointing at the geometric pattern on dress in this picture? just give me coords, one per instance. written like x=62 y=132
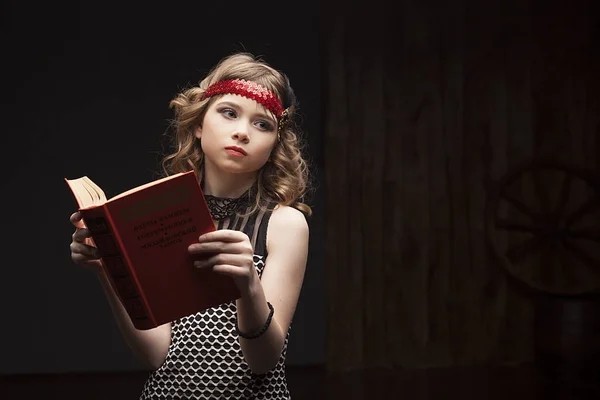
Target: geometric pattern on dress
x=205 y=361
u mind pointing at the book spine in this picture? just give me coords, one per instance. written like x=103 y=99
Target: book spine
x=117 y=266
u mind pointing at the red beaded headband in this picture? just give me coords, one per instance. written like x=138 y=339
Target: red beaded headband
x=251 y=90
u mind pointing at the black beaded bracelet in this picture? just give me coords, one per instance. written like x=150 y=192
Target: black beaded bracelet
x=262 y=330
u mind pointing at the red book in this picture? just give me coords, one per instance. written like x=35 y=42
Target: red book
x=143 y=235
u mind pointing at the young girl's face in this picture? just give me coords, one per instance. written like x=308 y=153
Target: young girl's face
x=237 y=134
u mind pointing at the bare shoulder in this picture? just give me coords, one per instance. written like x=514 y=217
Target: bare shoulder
x=288 y=217
x=287 y=222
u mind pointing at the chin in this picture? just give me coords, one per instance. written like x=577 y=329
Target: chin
x=234 y=168
x=246 y=166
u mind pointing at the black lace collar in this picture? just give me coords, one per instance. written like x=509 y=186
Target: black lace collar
x=225 y=207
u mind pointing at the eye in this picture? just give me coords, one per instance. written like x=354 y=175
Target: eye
x=228 y=112
x=264 y=125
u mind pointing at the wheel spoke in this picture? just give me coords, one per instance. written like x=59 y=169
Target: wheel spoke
x=545 y=270
x=585 y=208
x=541 y=193
x=591 y=234
x=581 y=254
x=520 y=251
x=563 y=195
x=508 y=225
x=522 y=207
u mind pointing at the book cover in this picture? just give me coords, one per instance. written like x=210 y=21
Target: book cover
x=143 y=235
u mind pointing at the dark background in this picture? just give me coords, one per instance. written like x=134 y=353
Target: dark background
x=451 y=141
x=86 y=88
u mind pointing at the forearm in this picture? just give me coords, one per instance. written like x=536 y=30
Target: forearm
x=261 y=353
x=150 y=346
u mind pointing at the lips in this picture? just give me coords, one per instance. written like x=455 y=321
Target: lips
x=235 y=149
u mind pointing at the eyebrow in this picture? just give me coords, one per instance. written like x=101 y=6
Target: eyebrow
x=237 y=107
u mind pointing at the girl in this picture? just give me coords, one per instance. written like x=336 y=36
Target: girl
x=236 y=131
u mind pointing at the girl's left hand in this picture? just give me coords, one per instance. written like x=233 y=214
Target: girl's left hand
x=228 y=252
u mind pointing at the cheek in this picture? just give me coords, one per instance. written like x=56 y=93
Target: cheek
x=207 y=140
x=262 y=156
x=268 y=150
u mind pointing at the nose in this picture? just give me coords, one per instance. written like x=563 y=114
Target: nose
x=241 y=133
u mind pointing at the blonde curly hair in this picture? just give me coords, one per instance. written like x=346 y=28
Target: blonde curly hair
x=285 y=179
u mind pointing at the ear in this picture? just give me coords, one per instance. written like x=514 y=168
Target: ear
x=198 y=132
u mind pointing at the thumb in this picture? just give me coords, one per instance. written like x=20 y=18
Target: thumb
x=76 y=220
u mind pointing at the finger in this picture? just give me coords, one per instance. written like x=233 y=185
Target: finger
x=81 y=234
x=80 y=258
x=85 y=250
x=216 y=247
x=76 y=216
x=223 y=235
x=236 y=260
x=77 y=220
x=229 y=270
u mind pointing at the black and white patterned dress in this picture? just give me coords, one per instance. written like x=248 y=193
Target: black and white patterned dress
x=205 y=359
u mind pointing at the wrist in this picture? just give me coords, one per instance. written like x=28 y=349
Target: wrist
x=257 y=333
x=252 y=287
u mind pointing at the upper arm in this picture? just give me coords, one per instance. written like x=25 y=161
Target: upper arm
x=283 y=274
x=155 y=344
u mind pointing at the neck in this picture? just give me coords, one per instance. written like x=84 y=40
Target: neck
x=218 y=184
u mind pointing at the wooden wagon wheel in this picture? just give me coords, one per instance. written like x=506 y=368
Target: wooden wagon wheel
x=543 y=224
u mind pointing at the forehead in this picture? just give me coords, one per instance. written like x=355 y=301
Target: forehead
x=244 y=103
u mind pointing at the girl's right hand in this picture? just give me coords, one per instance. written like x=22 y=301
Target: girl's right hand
x=82 y=251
